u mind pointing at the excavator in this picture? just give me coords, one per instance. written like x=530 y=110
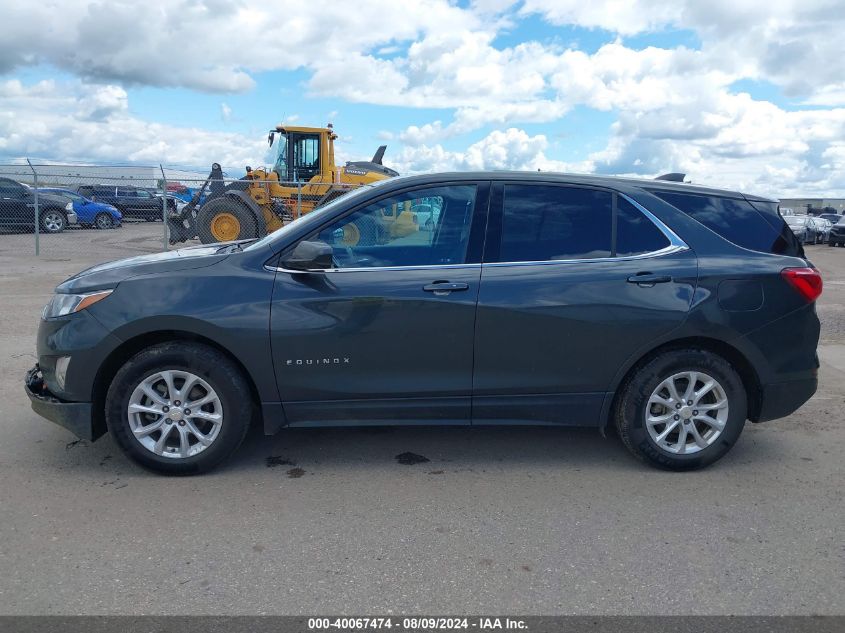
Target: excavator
x=303 y=178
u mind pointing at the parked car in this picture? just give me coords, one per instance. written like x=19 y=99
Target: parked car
x=837 y=233
x=822 y=228
x=804 y=228
x=673 y=312
x=132 y=202
x=89 y=213
x=786 y=211
x=173 y=201
x=17 y=208
x=833 y=218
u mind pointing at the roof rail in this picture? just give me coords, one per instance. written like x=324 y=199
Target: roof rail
x=672 y=177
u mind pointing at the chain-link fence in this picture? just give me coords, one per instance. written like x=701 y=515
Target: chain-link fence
x=98 y=213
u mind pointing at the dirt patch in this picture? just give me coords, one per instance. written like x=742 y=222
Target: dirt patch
x=409 y=459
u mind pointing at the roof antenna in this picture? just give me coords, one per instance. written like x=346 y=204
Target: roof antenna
x=672 y=177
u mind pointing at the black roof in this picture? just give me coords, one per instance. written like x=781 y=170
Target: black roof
x=579 y=179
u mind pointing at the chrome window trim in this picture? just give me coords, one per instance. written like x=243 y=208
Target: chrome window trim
x=371 y=268
x=668 y=250
x=676 y=245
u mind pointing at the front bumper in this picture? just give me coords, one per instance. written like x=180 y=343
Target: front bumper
x=76 y=417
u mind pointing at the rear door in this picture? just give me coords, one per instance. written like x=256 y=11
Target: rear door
x=386 y=334
x=575 y=281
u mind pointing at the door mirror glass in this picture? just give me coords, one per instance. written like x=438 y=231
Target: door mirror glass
x=309 y=255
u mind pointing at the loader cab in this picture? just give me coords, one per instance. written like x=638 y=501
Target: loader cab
x=301 y=153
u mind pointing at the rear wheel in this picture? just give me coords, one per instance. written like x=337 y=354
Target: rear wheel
x=103 y=221
x=178 y=408
x=682 y=410
x=225 y=219
x=53 y=221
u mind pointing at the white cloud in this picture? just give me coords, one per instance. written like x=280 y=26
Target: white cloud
x=225 y=112
x=512 y=149
x=78 y=122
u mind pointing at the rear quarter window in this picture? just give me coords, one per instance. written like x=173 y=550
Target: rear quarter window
x=757 y=227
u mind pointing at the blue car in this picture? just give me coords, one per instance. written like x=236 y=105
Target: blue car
x=94 y=214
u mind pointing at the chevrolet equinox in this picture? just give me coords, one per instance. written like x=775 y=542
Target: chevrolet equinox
x=669 y=311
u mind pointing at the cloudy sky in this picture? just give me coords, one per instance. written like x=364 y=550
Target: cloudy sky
x=739 y=93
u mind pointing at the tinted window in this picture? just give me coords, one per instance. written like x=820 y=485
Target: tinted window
x=544 y=222
x=737 y=221
x=635 y=233
x=419 y=228
x=11 y=189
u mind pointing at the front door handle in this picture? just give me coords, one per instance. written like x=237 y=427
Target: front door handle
x=647 y=280
x=441 y=288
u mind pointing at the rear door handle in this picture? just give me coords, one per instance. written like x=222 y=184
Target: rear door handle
x=648 y=279
x=441 y=288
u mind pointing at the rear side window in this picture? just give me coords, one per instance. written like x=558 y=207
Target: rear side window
x=544 y=222
x=635 y=233
x=548 y=223
x=739 y=221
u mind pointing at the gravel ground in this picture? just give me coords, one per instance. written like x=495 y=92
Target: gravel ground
x=523 y=521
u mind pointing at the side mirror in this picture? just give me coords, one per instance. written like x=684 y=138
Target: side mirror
x=310 y=256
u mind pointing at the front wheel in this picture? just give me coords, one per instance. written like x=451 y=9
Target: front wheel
x=682 y=410
x=178 y=408
x=103 y=221
x=225 y=219
x=53 y=221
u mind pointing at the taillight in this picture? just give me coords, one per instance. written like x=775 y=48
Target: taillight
x=807 y=281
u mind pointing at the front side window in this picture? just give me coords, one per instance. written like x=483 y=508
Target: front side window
x=419 y=228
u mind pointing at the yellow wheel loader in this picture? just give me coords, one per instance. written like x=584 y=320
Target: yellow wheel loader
x=303 y=177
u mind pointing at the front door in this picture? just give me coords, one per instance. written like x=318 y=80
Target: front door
x=575 y=282
x=386 y=334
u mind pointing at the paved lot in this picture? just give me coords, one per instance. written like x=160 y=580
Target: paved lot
x=530 y=521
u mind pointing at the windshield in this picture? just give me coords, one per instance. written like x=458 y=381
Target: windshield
x=281 y=164
x=314 y=217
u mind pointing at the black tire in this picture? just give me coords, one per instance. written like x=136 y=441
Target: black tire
x=225 y=204
x=210 y=365
x=53 y=221
x=630 y=411
x=831 y=243
x=103 y=221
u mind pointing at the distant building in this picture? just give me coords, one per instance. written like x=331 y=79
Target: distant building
x=802 y=205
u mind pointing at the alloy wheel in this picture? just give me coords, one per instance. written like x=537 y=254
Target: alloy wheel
x=687 y=412
x=104 y=221
x=53 y=222
x=175 y=414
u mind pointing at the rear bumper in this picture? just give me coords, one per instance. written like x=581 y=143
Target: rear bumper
x=778 y=400
x=76 y=417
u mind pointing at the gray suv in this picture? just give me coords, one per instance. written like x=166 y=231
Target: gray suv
x=670 y=312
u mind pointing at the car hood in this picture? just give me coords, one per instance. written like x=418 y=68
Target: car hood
x=55 y=198
x=110 y=274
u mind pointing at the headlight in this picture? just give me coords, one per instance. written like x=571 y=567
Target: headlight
x=69 y=206
x=62 y=304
